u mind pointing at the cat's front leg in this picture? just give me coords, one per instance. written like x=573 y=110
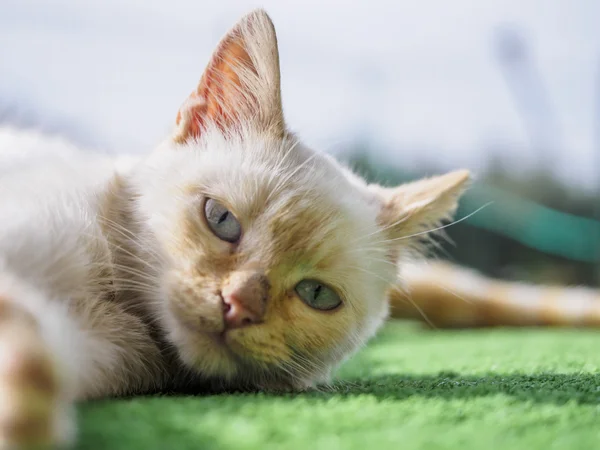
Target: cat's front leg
x=35 y=405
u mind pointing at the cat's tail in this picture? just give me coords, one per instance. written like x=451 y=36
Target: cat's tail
x=447 y=296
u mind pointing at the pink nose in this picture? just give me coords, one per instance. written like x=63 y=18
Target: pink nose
x=244 y=299
x=236 y=315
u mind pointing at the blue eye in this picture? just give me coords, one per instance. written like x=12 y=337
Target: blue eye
x=317 y=295
x=221 y=221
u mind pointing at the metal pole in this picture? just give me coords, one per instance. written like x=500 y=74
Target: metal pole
x=527 y=88
x=596 y=208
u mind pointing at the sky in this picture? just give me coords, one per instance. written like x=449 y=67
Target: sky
x=423 y=79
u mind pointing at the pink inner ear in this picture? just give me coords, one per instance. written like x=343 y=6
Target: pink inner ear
x=222 y=97
x=192 y=111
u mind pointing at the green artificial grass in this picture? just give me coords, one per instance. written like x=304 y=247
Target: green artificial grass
x=410 y=389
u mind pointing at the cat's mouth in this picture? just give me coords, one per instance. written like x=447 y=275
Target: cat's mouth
x=230 y=341
x=219 y=338
x=225 y=339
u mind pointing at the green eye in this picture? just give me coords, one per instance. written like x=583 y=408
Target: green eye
x=317 y=295
x=221 y=221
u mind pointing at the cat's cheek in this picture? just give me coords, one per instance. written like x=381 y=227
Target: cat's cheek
x=319 y=331
x=194 y=303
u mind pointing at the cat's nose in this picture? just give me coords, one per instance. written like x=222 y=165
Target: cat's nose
x=244 y=299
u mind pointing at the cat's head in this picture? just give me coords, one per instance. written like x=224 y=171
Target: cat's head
x=275 y=258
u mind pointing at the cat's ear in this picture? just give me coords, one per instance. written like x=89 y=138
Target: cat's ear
x=419 y=206
x=240 y=86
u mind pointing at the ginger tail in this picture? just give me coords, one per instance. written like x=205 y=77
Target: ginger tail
x=447 y=296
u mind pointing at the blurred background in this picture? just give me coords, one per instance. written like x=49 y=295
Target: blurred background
x=400 y=89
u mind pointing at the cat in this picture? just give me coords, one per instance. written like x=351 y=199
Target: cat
x=231 y=256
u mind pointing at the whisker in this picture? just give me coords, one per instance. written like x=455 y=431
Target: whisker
x=384 y=229
x=130 y=236
x=421 y=312
x=276 y=170
x=287 y=178
x=372 y=274
x=438 y=228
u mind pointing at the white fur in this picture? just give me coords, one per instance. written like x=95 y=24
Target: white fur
x=48 y=224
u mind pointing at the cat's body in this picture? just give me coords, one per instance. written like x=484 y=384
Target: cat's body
x=58 y=267
x=56 y=238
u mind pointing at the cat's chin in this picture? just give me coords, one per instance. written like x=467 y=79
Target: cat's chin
x=216 y=354
x=229 y=342
x=219 y=340
x=203 y=351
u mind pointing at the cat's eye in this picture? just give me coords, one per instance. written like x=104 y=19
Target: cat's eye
x=318 y=295
x=221 y=221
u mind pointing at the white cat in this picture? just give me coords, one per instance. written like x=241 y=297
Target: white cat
x=232 y=254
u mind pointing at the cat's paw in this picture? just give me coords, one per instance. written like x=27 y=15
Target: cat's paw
x=32 y=413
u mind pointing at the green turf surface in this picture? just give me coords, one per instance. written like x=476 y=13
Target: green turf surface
x=410 y=389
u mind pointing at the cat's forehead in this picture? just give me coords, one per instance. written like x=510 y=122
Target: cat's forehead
x=289 y=199
x=303 y=214
x=306 y=226
x=291 y=185
x=255 y=176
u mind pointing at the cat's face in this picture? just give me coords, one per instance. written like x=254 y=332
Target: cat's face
x=276 y=260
